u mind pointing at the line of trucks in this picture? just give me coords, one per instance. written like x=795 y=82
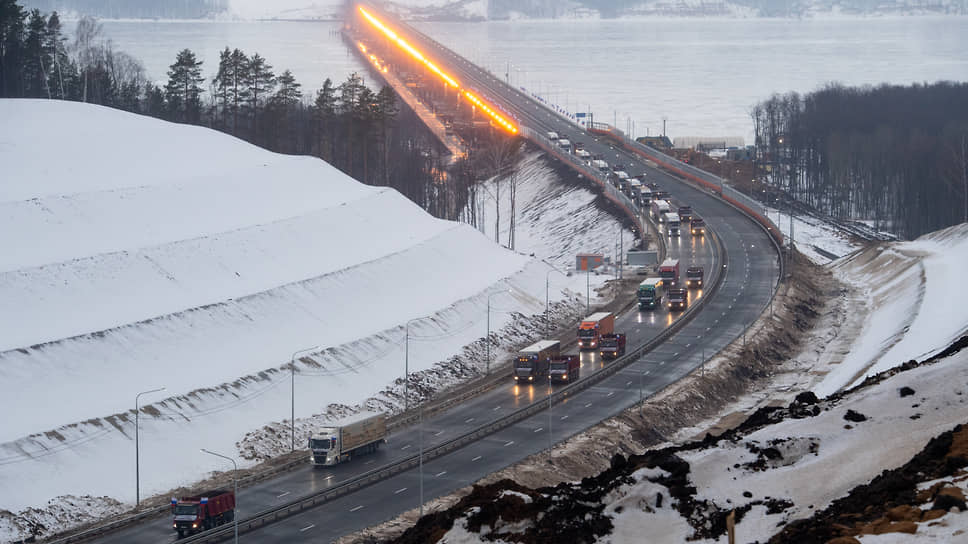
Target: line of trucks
x=543 y=360
x=668 y=284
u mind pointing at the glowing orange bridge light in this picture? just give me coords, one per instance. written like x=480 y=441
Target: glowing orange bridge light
x=407 y=47
x=504 y=123
x=498 y=118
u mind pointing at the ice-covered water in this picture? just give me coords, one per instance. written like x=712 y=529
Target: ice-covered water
x=701 y=75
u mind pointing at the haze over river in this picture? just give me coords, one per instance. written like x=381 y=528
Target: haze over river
x=701 y=75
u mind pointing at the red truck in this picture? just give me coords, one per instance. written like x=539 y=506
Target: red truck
x=565 y=368
x=592 y=327
x=678 y=298
x=202 y=512
x=669 y=272
x=613 y=346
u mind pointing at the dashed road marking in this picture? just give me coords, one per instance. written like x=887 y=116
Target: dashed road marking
x=478 y=458
x=308 y=527
x=283 y=495
x=405 y=447
x=539 y=429
x=441 y=473
x=401 y=490
x=509 y=443
x=360 y=507
x=468 y=420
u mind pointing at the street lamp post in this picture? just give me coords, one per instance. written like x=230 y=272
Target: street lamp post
x=235 y=485
x=292 y=389
x=487 y=339
x=547 y=287
x=406 y=367
x=137 y=463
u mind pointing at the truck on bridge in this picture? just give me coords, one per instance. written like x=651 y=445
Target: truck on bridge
x=613 y=346
x=659 y=208
x=650 y=294
x=669 y=272
x=533 y=362
x=672 y=224
x=678 y=298
x=202 y=512
x=357 y=434
x=694 y=276
x=593 y=327
x=565 y=368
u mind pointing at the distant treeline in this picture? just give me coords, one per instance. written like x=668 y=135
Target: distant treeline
x=359 y=131
x=133 y=9
x=893 y=154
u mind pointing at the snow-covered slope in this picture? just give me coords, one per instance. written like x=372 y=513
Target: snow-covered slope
x=140 y=254
x=883 y=462
x=914 y=300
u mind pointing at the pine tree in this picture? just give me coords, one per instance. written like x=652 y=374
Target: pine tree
x=222 y=82
x=183 y=91
x=12 y=30
x=324 y=119
x=259 y=83
x=63 y=73
x=36 y=59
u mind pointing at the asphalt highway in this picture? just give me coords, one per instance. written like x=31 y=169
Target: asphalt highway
x=748 y=283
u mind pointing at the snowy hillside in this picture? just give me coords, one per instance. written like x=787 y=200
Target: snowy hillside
x=879 y=462
x=144 y=254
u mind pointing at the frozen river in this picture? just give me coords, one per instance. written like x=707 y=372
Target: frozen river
x=701 y=76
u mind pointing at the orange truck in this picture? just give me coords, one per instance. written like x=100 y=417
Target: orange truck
x=593 y=327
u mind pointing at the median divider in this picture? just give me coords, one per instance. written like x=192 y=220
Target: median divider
x=315 y=499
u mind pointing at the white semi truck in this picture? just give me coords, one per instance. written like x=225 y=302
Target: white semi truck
x=353 y=435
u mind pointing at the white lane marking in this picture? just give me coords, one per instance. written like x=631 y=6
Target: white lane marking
x=478 y=458
x=308 y=527
x=628 y=383
x=283 y=495
x=401 y=490
x=368 y=462
x=495 y=408
x=468 y=420
x=438 y=433
x=588 y=405
x=360 y=507
x=441 y=473
x=509 y=443
x=661 y=363
x=610 y=394
x=564 y=418
x=539 y=429
x=405 y=447
x=647 y=372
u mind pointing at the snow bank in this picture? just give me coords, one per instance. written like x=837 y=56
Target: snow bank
x=150 y=254
x=914 y=300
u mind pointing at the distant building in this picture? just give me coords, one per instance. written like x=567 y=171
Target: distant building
x=661 y=143
x=705 y=143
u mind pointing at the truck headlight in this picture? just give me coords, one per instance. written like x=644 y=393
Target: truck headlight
x=564 y=376
x=530 y=378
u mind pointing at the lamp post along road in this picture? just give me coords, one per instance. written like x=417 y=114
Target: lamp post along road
x=406 y=367
x=137 y=462
x=235 y=487
x=292 y=373
x=547 y=288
